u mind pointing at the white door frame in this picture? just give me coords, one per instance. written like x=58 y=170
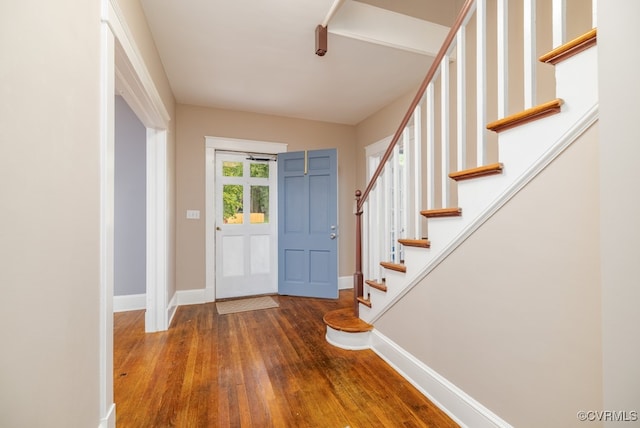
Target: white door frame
x=230 y=144
x=123 y=71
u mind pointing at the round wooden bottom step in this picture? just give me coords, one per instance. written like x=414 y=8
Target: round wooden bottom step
x=345 y=320
x=346 y=331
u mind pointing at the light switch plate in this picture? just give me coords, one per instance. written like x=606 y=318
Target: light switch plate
x=193 y=214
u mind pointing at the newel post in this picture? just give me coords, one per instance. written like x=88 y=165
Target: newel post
x=358 y=284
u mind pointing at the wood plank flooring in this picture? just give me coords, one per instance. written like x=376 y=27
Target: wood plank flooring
x=266 y=368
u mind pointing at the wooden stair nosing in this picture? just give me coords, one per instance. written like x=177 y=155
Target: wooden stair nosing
x=526 y=116
x=481 y=171
x=442 y=212
x=377 y=285
x=398 y=267
x=345 y=320
x=571 y=48
x=421 y=243
x=366 y=302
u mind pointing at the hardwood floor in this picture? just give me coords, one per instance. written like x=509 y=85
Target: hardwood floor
x=266 y=368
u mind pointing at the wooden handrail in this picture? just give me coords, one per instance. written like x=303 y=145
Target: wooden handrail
x=466 y=8
x=361 y=197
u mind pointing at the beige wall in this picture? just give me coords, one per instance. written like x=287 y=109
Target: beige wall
x=50 y=112
x=620 y=203
x=195 y=123
x=50 y=217
x=513 y=316
x=379 y=125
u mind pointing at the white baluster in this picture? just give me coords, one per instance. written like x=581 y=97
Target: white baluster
x=417 y=172
x=481 y=77
x=444 y=128
x=461 y=111
x=530 y=61
x=396 y=201
x=386 y=214
x=503 y=57
x=367 y=231
x=431 y=148
x=559 y=22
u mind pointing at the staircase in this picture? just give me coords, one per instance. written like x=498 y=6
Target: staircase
x=447 y=169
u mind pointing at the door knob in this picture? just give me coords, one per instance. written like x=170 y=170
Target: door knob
x=333 y=236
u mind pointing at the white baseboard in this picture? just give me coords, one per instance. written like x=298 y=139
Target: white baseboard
x=462 y=408
x=345 y=282
x=191 y=297
x=132 y=302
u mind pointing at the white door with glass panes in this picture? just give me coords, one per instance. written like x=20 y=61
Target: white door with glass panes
x=246 y=225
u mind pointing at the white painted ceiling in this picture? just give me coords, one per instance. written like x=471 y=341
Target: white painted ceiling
x=259 y=56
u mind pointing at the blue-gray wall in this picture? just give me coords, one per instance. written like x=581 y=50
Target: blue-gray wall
x=130 y=202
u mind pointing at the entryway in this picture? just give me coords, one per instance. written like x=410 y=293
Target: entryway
x=271 y=223
x=246 y=234
x=241 y=224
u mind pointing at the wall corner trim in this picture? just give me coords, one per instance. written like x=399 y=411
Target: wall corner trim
x=462 y=408
x=109 y=420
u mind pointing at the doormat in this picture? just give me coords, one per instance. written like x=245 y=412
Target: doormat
x=243 y=305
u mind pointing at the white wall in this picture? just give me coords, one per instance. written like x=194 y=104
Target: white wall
x=130 y=202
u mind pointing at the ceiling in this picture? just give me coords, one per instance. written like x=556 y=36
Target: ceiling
x=259 y=55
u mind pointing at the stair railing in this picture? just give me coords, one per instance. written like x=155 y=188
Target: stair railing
x=441 y=120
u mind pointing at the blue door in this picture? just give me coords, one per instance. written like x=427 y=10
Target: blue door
x=307 y=224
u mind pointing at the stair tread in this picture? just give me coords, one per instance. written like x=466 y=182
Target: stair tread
x=571 y=48
x=377 y=285
x=422 y=243
x=366 y=302
x=345 y=320
x=525 y=116
x=399 y=267
x=442 y=212
x=481 y=171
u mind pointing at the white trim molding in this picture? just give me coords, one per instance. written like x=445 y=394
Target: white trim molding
x=157 y=231
x=107 y=186
x=132 y=78
x=123 y=70
x=462 y=408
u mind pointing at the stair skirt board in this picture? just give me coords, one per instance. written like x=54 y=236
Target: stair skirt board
x=462 y=408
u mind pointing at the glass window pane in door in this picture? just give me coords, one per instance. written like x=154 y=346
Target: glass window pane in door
x=232 y=169
x=259 y=204
x=232 y=203
x=259 y=170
